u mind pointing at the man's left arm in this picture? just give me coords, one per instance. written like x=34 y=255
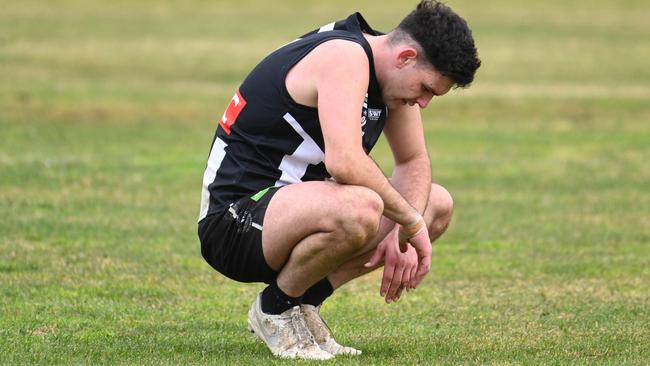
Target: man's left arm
x=412 y=172
x=412 y=179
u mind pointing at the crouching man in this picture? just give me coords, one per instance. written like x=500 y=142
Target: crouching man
x=290 y=196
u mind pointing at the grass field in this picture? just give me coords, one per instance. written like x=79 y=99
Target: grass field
x=107 y=111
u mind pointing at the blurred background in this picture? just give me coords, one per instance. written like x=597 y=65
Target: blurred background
x=107 y=112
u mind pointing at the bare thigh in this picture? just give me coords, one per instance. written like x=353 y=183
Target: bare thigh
x=300 y=210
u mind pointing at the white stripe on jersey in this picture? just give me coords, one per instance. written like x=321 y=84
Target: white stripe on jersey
x=217 y=154
x=294 y=166
x=327 y=27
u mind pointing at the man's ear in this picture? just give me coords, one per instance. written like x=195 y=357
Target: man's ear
x=406 y=56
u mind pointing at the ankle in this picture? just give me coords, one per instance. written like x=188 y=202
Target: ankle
x=275 y=301
x=318 y=292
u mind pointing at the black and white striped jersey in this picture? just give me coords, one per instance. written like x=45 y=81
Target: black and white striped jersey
x=265 y=139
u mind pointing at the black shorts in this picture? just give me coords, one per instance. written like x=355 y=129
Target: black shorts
x=231 y=242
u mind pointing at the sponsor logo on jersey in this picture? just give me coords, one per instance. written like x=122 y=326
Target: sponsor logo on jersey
x=237 y=103
x=374 y=114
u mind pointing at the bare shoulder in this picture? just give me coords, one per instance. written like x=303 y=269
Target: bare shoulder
x=338 y=48
x=329 y=63
x=337 y=54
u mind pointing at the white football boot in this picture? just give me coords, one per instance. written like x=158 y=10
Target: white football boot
x=285 y=334
x=322 y=333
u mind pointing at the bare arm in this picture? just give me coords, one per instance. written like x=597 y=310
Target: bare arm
x=412 y=173
x=334 y=78
x=341 y=81
x=412 y=178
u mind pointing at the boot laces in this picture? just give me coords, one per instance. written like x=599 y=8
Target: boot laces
x=303 y=335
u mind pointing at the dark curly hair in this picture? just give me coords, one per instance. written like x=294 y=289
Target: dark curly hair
x=445 y=39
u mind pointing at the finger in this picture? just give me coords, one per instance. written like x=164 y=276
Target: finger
x=399 y=293
x=395 y=283
x=376 y=257
x=386 y=279
x=414 y=271
x=423 y=269
x=422 y=245
x=406 y=277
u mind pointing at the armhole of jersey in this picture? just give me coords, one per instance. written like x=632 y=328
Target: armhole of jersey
x=285 y=70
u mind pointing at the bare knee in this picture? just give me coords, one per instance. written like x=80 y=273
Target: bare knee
x=359 y=215
x=439 y=210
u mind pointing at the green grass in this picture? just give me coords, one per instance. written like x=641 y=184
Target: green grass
x=107 y=110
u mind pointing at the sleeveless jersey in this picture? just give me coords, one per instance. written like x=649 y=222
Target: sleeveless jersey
x=266 y=139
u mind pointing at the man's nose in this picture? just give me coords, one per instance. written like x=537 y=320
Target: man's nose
x=424 y=100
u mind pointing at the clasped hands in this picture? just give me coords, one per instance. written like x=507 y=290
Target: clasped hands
x=407 y=259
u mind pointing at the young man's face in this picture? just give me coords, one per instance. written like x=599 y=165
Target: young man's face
x=414 y=84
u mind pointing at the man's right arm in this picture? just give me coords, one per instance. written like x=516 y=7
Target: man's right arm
x=341 y=88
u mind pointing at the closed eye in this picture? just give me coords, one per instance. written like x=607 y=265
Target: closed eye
x=429 y=90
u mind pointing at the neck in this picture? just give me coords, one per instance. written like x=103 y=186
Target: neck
x=380 y=52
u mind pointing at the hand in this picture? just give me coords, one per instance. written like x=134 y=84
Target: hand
x=399 y=267
x=422 y=245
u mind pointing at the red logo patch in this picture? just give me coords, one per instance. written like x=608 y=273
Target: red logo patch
x=230 y=115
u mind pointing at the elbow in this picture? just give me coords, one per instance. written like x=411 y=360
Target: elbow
x=341 y=169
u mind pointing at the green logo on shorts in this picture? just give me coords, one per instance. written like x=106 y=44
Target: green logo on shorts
x=256 y=197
